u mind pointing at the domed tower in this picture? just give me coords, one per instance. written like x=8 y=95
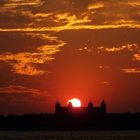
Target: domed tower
x=103 y=106
x=57 y=108
x=69 y=105
x=90 y=105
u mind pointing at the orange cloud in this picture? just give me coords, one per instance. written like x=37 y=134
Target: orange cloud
x=94 y=6
x=105 y=83
x=19 y=89
x=17 y=3
x=26 y=62
x=131 y=70
x=135 y=3
x=137 y=56
x=86 y=49
x=12 y=5
x=35 y=16
x=71 y=20
x=71 y=26
x=112 y=15
x=18 y=94
x=129 y=47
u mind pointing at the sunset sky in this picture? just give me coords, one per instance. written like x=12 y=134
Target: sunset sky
x=60 y=49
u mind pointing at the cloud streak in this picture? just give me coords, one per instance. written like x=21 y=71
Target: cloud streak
x=11 y=89
x=89 y=15
x=131 y=70
x=26 y=63
x=137 y=56
x=129 y=47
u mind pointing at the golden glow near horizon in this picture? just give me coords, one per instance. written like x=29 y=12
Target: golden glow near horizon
x=67 y=48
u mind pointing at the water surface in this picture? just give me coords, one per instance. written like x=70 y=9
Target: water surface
x=70 y=135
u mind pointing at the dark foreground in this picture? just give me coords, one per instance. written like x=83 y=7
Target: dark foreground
x=70 y=135
x=54 y=122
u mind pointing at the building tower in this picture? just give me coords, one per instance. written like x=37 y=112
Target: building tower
x=103 y=106
x=90 y=105
x=57 y=107
x=69 y=105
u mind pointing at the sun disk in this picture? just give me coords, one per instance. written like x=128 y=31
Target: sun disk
x=75 y=102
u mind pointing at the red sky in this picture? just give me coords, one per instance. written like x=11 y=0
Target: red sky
x=55 y=50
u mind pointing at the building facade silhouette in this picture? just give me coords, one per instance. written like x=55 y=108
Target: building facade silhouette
x=90 y=110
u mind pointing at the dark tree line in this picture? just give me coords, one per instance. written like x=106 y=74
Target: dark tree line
x=125 y=121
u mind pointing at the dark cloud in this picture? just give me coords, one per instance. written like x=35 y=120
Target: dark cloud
x=2 y=2
x=72 y=6
x=16 y=94
x=46 y=13
x=19 y=99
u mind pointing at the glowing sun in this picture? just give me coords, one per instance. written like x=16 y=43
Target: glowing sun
x=75 y=102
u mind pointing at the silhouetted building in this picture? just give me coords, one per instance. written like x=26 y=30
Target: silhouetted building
x=72 y=118
x=90 y=110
